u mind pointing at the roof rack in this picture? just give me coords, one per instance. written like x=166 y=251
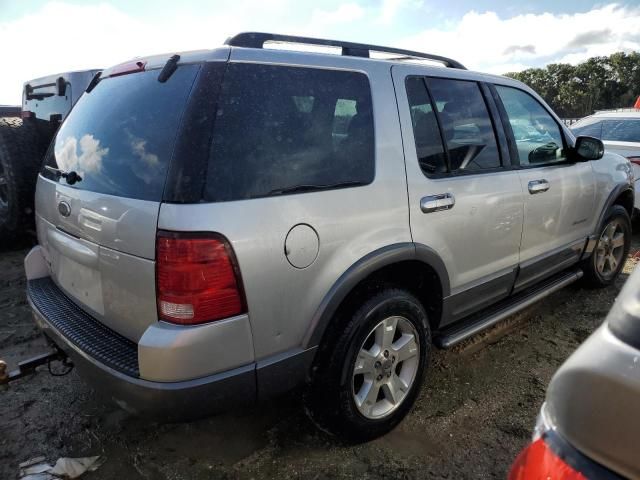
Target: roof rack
x=258 y=39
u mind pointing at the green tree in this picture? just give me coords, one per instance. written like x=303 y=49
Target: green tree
x=600 y=83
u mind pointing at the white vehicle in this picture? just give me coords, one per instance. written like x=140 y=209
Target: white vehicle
x=619 y=130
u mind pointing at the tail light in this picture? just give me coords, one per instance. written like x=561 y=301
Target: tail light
x=538 y=462
x=635 y=160
x=197 y=278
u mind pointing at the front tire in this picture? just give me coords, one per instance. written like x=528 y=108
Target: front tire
x=611 y=250
x=368 y=373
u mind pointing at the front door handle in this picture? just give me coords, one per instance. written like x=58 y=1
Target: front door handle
x=538 y=186
x=435 y=203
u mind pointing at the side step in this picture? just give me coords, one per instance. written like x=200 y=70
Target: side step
x=486 y=318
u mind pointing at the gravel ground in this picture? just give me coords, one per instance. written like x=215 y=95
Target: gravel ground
x=475 y=412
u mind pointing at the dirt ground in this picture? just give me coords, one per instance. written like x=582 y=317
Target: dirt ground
x=475 y=412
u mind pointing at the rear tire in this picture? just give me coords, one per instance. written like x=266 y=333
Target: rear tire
x=21 y=151
x=612 y=247
x=382 y=347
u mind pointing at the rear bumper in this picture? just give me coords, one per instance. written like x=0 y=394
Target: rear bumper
x=110 y=363
x=162 y=400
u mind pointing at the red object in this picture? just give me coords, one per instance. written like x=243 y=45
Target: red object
x=26 y=114
x=539 y=462
x=635 y=160
x=637 y=104
x=129 y=67
x=196 y=278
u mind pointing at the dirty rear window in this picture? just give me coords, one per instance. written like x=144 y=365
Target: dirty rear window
x=119 y=137
x=281 y=130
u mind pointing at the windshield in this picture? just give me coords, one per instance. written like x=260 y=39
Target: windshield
x=119 y=137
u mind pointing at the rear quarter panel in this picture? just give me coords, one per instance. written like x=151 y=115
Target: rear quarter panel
x=350 y=223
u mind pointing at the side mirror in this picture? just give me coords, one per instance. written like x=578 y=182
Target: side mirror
x=589 y=148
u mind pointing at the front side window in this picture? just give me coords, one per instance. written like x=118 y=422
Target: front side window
x=282 y=130
x=537 y=135
x=466 y=124
x=621 y=130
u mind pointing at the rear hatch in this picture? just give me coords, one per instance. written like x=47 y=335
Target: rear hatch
x=99 y=231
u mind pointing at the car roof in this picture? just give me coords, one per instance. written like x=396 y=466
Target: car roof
x=631 y=113
x=295 y=47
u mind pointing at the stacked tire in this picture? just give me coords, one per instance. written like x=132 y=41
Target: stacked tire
x=21 y=150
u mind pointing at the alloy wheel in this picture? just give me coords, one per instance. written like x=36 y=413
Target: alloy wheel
x=385 y=367
x=610 y=249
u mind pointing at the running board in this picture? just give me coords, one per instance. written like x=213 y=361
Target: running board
x=485 y=319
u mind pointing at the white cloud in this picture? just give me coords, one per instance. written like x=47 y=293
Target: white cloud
x=62 y=37
x=139 y=148
x=486 y=42
x=347 y=12
x=390 y=8
x=90 y=158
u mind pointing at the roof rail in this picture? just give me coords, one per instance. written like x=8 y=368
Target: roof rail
x=258 y=39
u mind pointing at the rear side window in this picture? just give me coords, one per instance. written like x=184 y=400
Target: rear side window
x=589 y=127
x=119 y=137
x=621 y=130
x=466 y=124
x=467 y=129
x=426 y=133
x=282 y=130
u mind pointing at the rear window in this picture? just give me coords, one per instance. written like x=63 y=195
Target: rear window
x=119 y=137
x=621 y=130
x=282 y=130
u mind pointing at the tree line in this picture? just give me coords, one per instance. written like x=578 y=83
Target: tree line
x=600 y=83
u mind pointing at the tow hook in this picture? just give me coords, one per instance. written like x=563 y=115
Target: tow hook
x=28 y=367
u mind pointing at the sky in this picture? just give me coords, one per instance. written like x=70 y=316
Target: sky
x=43 y=37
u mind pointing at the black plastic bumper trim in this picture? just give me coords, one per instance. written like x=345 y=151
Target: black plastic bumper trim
x=81 y=329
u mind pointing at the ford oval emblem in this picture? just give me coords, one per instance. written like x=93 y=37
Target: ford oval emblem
x=64 y=208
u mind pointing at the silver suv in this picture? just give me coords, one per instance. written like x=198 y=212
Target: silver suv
x=220 y=226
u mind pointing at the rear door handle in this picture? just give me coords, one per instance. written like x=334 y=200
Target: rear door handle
x=435 y=203
x=538 y=186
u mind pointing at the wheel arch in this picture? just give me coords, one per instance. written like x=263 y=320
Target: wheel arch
x=407 y=265
x=626 y=199
x=623 y=195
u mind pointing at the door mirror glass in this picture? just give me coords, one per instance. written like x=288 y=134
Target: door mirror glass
x=589 y=148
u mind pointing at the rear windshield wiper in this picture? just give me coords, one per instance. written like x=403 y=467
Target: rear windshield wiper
x=168 y=69
x=314 y=187
x=71 y=177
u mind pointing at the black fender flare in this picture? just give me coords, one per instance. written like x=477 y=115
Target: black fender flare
x=615 y=193
x=613 y=196
x=360 y=270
